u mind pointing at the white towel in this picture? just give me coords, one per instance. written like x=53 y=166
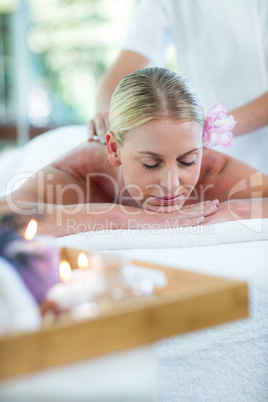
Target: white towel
x=203 y=235
x=18 y=309
x=224 y=363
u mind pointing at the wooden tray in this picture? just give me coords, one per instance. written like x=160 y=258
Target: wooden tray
x=189 y=302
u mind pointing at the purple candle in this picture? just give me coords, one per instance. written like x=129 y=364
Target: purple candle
x=40 y=267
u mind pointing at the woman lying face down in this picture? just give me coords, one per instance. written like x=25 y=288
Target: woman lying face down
x=153 y=170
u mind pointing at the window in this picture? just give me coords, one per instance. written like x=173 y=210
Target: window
x=52 y=54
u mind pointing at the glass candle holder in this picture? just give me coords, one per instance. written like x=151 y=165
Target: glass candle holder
x=37 y=262
x=117 y=286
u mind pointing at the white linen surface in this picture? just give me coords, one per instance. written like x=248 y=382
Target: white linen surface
x=224 y=363
x=203 y=235
x=18 y=309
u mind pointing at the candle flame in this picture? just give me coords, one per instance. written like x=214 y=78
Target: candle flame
x=65 y=271
x=82 y=261
x=31 y=230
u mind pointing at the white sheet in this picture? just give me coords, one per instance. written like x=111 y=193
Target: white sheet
x=224 y=363
x=203 y=235
x=228 y=362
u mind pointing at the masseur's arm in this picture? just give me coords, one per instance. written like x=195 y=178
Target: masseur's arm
x=251 y=116
x=126 y=62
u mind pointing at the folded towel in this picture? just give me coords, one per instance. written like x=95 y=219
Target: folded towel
x=203 y=235
x=18 y=310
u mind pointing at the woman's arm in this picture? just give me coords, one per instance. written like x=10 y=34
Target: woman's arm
x=63 y=220
x=232 y=210
x=60 y=202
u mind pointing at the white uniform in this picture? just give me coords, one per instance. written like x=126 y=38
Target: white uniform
x=221 y=47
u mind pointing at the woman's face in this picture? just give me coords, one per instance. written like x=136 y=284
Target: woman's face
x=160 y=163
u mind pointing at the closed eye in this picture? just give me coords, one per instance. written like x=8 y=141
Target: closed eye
x=159 y=163
x=151 y=166
x=188 y=163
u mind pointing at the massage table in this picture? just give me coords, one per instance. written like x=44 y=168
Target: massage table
x=228 y=362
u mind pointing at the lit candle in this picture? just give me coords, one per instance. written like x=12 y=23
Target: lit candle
x=39 y=269
x=65 y=271
x=78 y=286
x=31 y=230
x=82 y=261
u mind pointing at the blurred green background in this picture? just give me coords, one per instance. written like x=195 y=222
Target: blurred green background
x=52 y=55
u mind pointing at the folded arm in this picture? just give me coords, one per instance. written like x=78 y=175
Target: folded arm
x=58 y=201
x=232 y=210
x=242 y=189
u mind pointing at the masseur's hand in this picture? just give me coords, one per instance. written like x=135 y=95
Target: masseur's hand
x=98 y=126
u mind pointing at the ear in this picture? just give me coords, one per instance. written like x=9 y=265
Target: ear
x=113 y=151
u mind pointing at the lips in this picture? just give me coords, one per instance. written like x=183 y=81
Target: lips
x=167 y=200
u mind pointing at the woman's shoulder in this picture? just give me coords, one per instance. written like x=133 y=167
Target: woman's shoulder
x=213 y=180
x=223 y=177
x=213 y=163
x=210 y=184
x=207 y=187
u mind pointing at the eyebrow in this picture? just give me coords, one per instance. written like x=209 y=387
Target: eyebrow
x=161 y=156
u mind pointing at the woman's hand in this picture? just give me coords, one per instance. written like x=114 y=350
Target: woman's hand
x=200 y=209
x=189 y=215
x=98 y=126
x=233 y=210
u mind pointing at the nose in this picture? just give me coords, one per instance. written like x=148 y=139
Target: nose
x=169 y=180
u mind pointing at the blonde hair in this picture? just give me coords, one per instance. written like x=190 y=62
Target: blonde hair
x=152 y=93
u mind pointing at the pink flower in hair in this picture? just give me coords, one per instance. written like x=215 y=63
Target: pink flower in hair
x=218 y=127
